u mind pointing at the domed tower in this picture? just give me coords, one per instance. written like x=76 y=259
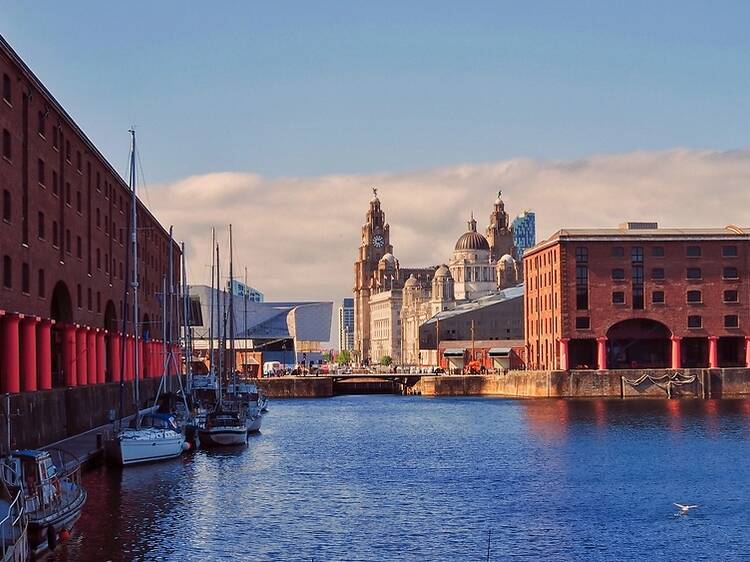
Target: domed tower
x=374 y=245
x=472 y=269
x=443 y=296
x=387 y=273
x=499 y=232
x=507 y=272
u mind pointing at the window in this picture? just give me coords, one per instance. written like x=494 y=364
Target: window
x=583 y=323
x=657 y=273
x=6 y=89
x=657 y=297
x=40 y=225
x=68 y=245
x=695 y=321
x=98 y=219
x=79 y=247
x=40 y=172
x=55 y=137
x=657 y=251
x=582 y=287
x=7 y=272
x=98 y=259
x=67 y=192
x=693 y=251
x=729 y=251
x=55 y=185
x=618 y=297
x=730 y=273
x=89 y=299
x=694 y=273
x=41 y=124
x=618 y=251
x=98 y=182
x=79 y=202
x=638 y=303
x=731 y=295
x=106 y=263
x=25 y=279
x=618 y=274
x=79 y=161
x=731 y=321
x=67 y=150
x=40 y=283
x=6 y=206
x=636 y=255
x=7 y=152
x=694 y=297
x=582 y=255
x=55 y=235
x=98 y=302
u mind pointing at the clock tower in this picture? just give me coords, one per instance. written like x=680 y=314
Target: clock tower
x=374 y=245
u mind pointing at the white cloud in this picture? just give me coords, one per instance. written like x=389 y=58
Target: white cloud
x=298 y=237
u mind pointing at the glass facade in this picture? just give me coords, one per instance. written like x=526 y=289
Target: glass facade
x=524 y=233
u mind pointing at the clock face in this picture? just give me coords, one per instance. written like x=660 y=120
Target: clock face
x=378 y=241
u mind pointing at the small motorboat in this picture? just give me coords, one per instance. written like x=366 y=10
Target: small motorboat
x=156 y=438
x=13 y=526
x=52 y=494
x=223 y=429
x=253 y=423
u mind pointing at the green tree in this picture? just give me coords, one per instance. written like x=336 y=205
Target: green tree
x=344 y=357
x=327 y=357
x=386 y=360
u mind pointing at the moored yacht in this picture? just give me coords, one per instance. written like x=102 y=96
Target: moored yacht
x=157 y=439
x=223 y=429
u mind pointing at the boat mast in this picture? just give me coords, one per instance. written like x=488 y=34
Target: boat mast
x=219 y=318
x=244 y=322
x=134 y=282
x=211 y=307
x=187 y=341
x=232 y=357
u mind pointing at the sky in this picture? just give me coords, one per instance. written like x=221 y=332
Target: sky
x=280 y=116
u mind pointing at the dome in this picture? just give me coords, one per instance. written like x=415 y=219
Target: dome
x=472 y=240
x=506 y=258
x=388 y=258
x=411 y=281
x=442 y=271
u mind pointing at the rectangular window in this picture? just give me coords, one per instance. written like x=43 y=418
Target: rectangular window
x=55 y=235
x=55 y=137
x=694 y=297
x=729 y=251
x=40 y=282
x=67 y=193
x=40 y=172
x=638 y=303
x=657 y=297
x=79 y=202
x=79 y=161
x=41 y=124
x=582 y=255
x=657 y=273
x=67 y=152
x=7 y=152
x=582 y=287
x=618 y=297
x=583 y=323
x=618 y=274
x=694 y=273
x=68 y=244
x=40 y=225
x=693 y=251
x=730 y=273
x=55 y=186
x=657 y=251
x=618 y=251
x=636 y=255
x=731 y=295
x=25 y=279
x=7 y=206
x=731 y=321
x=7 y=272
x=695 y=321
x=7 y=94
x=79 y=247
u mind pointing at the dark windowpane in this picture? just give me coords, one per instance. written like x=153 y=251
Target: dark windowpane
x=693 y=251
x=582 y=323
x=582 y=255
x=695 y=321
x=7 y=272
x=7 y=210
x=731 y=296
x=729 y=251
x=694 y=296
x=657 y=273
x=25 y=278
x=637 y=255
x=694 y=273
x=657 y=297
x=618 y=274
x=7 y=151
x=657 y=251
x=618 y=297
x=40 y=281
x=730 y=273
x=582 y=287
x=618 y=251
x=731 y=321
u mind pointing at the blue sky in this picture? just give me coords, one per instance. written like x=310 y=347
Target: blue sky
x=313 y=88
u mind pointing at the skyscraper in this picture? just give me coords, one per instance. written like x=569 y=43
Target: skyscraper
x=346 y=325
x=524 y=233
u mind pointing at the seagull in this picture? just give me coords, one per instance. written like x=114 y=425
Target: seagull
x=684 y=509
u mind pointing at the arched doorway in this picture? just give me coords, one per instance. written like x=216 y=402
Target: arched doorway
x=638 y=343
x=61 y=311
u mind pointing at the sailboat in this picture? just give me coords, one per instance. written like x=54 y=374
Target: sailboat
x=157 y=437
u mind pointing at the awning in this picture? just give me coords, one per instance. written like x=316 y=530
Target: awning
x=499 y=352
x=454 y=352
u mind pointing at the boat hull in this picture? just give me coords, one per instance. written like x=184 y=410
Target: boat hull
x=44 y=532
x=223 y=436
x=253 y=424
x=127 y=452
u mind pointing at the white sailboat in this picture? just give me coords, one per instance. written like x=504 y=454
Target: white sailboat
x=155 y=437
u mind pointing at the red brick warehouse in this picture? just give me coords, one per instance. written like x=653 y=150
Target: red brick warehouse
x=63 y=243
x=638 y=296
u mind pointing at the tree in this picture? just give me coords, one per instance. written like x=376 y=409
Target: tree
x=327 y=357
x=344 y=357
x=386 y=360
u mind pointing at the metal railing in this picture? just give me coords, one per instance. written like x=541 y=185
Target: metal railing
x=12 y=526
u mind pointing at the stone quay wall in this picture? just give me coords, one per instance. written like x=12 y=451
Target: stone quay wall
x=297 y=387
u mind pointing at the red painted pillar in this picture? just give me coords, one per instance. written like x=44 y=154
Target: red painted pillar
x=115 y=351
x=82 y=355
x=141 y=364
x=28 y=353
x=91 y=359
x=713 y=352
x=564 y=361
x=10 y=356
x=147 y=370
x=44 y=354
x=676 y=352
x=601 y=353
x=100 y=356
x=158 y=363
x=128 y=343
x=69 y=354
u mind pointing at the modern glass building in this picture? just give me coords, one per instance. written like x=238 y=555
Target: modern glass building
x=346 y=325
x=524 y=233
x=239 y=289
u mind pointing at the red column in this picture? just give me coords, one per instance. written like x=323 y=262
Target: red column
x=91 y=359
x=100 y=354
x=28 y=353
x=601 y=353
x=747 y=352
x=564 y=354
x=676 y=352
x=158 y=361
x=115 y=341
x=69 y=354
x=141 y=364
x=129 y=354
x=44 y=354
x=147 y=370
x=9 y=354
x=82 y=355
x=713 y=352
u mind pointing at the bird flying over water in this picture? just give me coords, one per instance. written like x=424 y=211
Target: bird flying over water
x=684 y=509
